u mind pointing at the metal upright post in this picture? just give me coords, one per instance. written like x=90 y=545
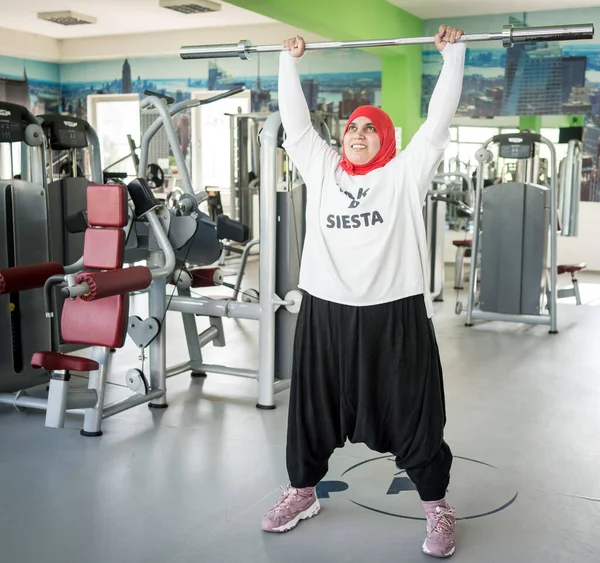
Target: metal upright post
x=268 y=241
x=157 y=308
x=191 y=335
x=165 y=116
x=553 y=239
x=95 y=157
x=234 y=167
x=475 y=242
x=92 y=422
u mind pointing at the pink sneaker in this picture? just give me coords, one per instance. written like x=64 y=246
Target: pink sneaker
x=293 y=506
x=441 y=523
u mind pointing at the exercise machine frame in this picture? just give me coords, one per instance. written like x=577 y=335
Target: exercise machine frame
x=269 y=303
x=434 y=214
x=484 y=156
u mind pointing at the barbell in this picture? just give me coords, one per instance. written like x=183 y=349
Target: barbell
x=509 y=36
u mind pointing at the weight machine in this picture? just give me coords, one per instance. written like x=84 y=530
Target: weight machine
x=73 y=162
x=514 y=224
x=443 y=194
x=245 y=176
x=94 y=313
x=281 y=205
x=276 y=315
x=245 y=166
x=34 y=217
x=570 y=175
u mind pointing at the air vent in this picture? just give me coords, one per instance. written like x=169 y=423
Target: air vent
x=67 y=18
x=190 y=6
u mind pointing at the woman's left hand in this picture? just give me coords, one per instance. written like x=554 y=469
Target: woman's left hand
x=447 y=34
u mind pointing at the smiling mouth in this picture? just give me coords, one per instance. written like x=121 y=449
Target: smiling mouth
x=358 y=147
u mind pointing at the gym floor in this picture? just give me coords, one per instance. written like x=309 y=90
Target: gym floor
x=191 y=483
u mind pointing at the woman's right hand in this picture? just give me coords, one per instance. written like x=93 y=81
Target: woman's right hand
x=295 y=46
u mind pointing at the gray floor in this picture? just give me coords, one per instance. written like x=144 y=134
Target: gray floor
x=191 y=483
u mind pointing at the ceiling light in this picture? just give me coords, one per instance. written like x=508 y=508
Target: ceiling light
x=66 y=18
x=190 y=6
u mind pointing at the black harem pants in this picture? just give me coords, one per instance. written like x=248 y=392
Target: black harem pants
x=368 y=375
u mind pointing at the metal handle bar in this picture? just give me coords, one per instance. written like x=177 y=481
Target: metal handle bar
x=164 y=97
x=509 y=36
x=231 y=92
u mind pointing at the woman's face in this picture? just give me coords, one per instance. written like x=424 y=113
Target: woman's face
x=361 y=142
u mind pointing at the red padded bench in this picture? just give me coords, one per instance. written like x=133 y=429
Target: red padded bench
x=572 y=291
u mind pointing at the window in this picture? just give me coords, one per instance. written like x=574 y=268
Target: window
x=476 y=134
x=211 y=136
x=10 y=160
x=561 y=150
x=550 y=134
x=114 y=117
x=465 y=142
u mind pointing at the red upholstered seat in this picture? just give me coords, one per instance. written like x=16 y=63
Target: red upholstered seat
x=462 y=243
x=571 y=268
x=96 y=323
x=54 y=361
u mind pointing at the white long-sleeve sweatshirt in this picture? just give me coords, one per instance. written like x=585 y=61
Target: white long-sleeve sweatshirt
x=365 y=238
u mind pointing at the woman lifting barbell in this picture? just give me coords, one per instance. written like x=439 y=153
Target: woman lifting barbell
x=366 y=366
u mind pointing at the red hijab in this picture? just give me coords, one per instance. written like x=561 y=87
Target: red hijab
x=387 y=137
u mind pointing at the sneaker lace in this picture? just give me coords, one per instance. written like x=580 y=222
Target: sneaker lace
x=289 y=496
x=443 y=521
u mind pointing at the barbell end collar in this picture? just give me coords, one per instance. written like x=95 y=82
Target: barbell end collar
x=244 y=47
x=507 y=36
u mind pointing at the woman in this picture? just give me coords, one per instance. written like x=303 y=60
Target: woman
x=366 y=366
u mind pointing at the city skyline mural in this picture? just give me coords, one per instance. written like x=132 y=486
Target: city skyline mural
x=356 y=80
x=556 y=78
x=544 y=78
x=33 y=84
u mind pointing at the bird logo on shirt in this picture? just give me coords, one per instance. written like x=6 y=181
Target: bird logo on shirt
x=355 y=200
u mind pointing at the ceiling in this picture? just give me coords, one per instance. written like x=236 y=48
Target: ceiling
x=117 y=17
x=120 y=17
x=435 y=9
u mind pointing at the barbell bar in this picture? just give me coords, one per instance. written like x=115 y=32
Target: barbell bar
x=509 y=36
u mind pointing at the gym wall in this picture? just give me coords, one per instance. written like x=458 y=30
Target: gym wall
x=29 y=46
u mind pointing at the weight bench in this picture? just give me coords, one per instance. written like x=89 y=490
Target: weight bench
x=463 y=250
x=572 y=291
